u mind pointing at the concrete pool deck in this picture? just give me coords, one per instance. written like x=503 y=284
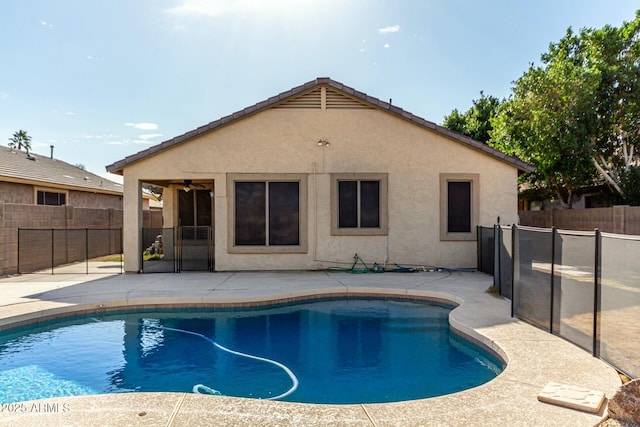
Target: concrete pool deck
x=533 y=357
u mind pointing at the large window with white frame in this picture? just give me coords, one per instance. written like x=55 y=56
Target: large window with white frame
x=459 y=206
x=268 y=213
x=359 y=204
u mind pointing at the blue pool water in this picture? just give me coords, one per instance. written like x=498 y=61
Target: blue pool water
x=339 y=351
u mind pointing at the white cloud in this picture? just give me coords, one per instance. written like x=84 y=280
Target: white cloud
x=215 y=8
x=110 y=135
x=46 y=24
x=3 y=96
x=89 y=57
x=129 y=141
x=241 y=8
x=143 y=126
x=387 y=45
x=70 y=113
x=149 y=136
x=389 y=29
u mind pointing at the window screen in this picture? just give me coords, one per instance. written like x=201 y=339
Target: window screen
x=358 y=204
x=459 y=207
x=284 y=213
x=51 y=198
x=250 y=212
x=259 y=225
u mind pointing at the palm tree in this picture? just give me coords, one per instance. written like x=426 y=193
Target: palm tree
x=20 y=139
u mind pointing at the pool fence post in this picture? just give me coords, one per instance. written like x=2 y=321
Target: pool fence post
x=515 y=255
x=596 y=293
x=52 y=249
x=121 y=254
x=18 y=257
x=86 y=249
x=553 y=263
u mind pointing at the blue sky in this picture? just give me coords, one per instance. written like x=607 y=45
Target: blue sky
x=102 y=79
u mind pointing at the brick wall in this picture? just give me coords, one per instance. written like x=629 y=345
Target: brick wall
x=70 y=246
x=617 y=219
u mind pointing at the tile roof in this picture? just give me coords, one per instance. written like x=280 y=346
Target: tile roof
x=42 y=170
x=118 y=166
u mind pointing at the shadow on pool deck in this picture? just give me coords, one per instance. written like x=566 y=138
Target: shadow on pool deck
x=533 y=356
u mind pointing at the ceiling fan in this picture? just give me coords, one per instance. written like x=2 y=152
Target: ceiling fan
x=189 y=183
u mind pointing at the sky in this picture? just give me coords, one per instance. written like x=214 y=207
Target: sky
x=104 y=79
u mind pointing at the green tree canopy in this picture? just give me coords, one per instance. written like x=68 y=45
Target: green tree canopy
x=20 y=139
x=576 y=117
x=475 y=122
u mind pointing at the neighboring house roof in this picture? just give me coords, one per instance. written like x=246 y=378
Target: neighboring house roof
x=308 y=88
x=15 y=166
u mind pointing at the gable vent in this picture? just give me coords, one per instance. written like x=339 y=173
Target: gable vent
x=311 y=99
x=338 y=100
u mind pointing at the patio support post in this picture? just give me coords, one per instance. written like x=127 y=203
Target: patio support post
x=132 y=205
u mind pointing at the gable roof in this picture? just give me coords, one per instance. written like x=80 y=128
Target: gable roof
x=308 y=96
x=15 y=166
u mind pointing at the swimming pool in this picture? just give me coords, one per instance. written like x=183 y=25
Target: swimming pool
x=332 y=351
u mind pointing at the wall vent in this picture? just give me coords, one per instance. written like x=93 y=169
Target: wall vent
x=338 y=100
x=311 y=99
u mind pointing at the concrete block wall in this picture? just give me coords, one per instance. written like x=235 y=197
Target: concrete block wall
x=70 y=246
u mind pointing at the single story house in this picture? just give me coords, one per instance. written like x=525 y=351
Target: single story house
x=308 y=178
x=42 y=192
x=32 y=179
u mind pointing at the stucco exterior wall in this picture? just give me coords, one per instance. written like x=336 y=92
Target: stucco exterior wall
x=11 y=192
x=84 y=199
x=361 y=141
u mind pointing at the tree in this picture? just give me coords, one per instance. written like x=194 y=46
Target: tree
x=20 y=139
x=475 y=122
x=616 y=56
x=80 y=166
x=576 y=118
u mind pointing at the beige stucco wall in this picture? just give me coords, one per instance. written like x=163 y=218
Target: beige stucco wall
x=12 y=192
x=285 y=141
x=87 y=199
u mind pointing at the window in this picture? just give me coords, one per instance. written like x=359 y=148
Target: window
x=51 y=198
x=359 y=204
x=268 y=213
x=459 y=206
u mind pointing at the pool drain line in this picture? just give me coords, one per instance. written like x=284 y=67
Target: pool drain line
x=203 y=389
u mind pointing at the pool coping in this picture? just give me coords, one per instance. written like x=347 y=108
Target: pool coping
x=533 y=357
